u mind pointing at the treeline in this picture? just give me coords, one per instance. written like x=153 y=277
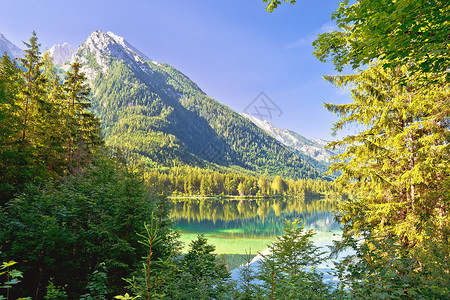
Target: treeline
x=46 y=127
x=78 y=218
x=189 y=181
x=258 y=210
x=162 y=117
x=70 y=209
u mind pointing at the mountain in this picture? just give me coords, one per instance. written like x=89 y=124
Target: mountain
x=311 y=150
x=12 y=50
x=153 y=111
x=61 y=53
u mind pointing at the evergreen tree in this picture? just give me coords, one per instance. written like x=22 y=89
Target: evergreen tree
x=13 y=162
x=279 y=185
x=397 y=167
x=203 y=274
x=288 y=272
x=83 y=126
x=34 y=98
x=399 y=158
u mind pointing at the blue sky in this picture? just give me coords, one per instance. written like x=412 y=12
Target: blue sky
x=233 y=49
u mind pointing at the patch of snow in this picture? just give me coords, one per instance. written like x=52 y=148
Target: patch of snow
x=12 y=50
x=61 y=53
x=313 y=148
x=105 y=46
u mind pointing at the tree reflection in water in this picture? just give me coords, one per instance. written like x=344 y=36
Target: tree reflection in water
x=238 y=225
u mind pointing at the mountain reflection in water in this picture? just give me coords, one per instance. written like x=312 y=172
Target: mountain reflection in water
x=239 y=226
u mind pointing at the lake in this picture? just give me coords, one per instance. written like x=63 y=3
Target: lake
x=241 y=226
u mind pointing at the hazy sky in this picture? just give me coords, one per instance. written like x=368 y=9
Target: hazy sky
x=233 y=49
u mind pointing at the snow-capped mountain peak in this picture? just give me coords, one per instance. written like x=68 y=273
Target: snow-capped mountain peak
x=12 y=50
x=61 y=53
x=121 y=41
x=313 y=148
x=103 y=46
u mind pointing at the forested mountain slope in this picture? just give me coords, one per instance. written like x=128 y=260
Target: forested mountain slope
x=152 y=110
x=313 y=151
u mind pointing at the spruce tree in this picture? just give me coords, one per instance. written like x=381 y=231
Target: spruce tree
x=399 y=157
x=11 y=159
x=83 y=127
x=397 y=167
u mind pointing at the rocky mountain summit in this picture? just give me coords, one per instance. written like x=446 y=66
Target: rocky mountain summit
x=6 y=46
x=61 y=53
x=314 y=148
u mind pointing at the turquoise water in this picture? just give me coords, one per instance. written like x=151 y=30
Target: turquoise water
x=240 y=227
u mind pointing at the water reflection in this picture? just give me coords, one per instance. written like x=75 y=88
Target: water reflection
x=239 y=226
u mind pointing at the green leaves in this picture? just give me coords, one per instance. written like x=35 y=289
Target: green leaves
x=9 y=278
x=288 y=271
x=126 y=297
x=393 y=165
x=203 y=274
x=273 y=4
x=88 y=218
x=40 y=133
x=399 y=32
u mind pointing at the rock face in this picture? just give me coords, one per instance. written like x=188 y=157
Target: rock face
x=61 y=53
x=12 y=50
x=153 y=111
x=314 y=148
x=102 y=46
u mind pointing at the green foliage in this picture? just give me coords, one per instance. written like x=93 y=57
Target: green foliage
x=288 y=271
x=400 y=158
x=13 y=161
x=162 y=118
x=279 y=186
x=150 y=281
x=55 y=292
x=126 y=297
x=41 y=132
x=89 y=218
x=246 y=287
x=273 y=4
x=404 y=32
x=202 y=275
x=397 y=163
x=83 y=127
x=97 y=286
x=187 y=180
x=384 y=269
x=9 y=278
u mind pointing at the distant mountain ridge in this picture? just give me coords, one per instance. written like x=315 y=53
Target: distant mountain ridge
x=61 y=53
x=154 y=111
x=12 y=50
x=314 y=148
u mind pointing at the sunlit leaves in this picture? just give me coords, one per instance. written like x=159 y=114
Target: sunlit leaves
x=399 y=32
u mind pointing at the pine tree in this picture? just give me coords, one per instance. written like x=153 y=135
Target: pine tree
x=84 y=127
x=12 y=159
x=35 y=104
x=56 y=129
x=288 y=272
x=399 y=157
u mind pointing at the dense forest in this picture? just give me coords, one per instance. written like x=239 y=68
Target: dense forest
x=82 y=221
x=152 y=111
x=398 y=161
x=69 y=202
x=188 y=181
